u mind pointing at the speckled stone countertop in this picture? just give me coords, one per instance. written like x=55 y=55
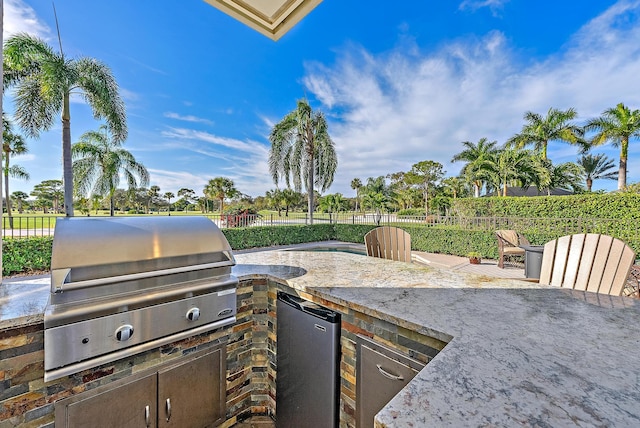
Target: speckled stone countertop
x=518 y=353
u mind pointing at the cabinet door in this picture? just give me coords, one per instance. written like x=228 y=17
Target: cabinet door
x=192 y=395
x=381 y=373
x=131 y=405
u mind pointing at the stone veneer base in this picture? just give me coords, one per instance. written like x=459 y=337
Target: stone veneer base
x=26 y=400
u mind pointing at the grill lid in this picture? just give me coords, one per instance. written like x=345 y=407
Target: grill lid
x=89 y=252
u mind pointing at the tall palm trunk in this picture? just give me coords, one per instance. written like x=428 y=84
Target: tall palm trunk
x=311 y=205
x=6 y=188
x=66 y=157
x=589 y=184
x=622 y=171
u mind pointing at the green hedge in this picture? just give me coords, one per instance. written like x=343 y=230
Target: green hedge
x=26 y=255
x=267 y=236
x=604 y=206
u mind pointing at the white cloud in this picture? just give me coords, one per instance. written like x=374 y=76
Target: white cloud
x=391 y=110
x=493 y=5
x=246 y=164
x=230 y=143
x=188 y=118
x=20 y=17
x=172 y=181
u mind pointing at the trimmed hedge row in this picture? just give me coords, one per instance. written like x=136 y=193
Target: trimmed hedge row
x=605 y=206
x=267 y=236
x=34 y=254
x=28 y=255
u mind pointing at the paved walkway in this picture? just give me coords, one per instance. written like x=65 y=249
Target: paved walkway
x=487 y=267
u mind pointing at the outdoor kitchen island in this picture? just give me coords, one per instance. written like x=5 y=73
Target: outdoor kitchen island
x=510 y=353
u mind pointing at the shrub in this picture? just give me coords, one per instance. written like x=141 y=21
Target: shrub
x=26 y=255
x=267 y=236
x=411 y=212
x=623 y=205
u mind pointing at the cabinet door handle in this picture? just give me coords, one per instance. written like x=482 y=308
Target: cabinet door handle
x=147 y=415
x=388 y=375
x=168 y=406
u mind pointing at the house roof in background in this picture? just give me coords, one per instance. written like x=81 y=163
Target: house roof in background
x=273 y=18
x=532 y=191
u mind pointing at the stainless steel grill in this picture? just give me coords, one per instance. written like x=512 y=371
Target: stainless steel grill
x=120 y=286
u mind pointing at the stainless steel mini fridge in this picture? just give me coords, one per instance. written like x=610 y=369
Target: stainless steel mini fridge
x=308 y=364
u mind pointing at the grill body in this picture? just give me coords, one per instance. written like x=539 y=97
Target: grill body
x=120 y=286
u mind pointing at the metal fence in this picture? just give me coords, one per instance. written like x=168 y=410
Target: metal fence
x=625 y=229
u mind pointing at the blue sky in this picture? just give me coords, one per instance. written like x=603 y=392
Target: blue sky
x=399 y=84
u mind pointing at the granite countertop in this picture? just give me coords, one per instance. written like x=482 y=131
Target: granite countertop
x=517 y=353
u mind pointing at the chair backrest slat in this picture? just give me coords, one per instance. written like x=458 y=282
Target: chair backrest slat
x=599 y=263
x=560 y=261
x=388 y=242
x=587 y=262
x=627 y=258
x=573 y=260
x=546 y=267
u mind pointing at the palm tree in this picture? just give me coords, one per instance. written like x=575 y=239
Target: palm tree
x=595 y=168
x=302 y=148
x=356 y=184
x=616 y=125
x=512 y=166
x=539 y=131
x=44 y=81
x=189 y=195
x=274 y=199
x=456 y=186
x=377 y=196
x=99 y=161
x=21 y=198
x=220 y=188
x=153 y=193
x=12 y=144
x=168 y=196
x=291 y=198
x=567 y=175
x=476 y=156
x=333 y=203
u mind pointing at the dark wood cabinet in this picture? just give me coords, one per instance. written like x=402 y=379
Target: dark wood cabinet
x=189 y=393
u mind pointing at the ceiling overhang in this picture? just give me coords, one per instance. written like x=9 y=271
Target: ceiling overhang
x=273 y=18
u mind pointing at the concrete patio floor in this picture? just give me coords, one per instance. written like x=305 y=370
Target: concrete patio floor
x=461 y=264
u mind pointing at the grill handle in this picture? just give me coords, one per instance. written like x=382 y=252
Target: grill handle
x=59 y=277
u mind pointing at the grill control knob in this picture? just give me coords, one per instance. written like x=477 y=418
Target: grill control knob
x=124 y=333
x=193 y=314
